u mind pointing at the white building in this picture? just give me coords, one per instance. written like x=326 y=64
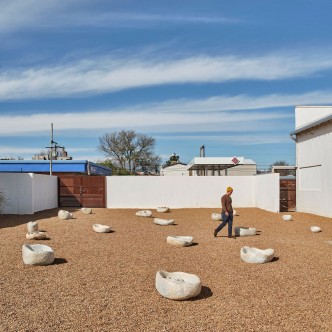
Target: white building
x=178 y=169
x=313 y=137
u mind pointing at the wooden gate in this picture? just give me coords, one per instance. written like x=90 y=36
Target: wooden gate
x=82 y=190
x=287 y=195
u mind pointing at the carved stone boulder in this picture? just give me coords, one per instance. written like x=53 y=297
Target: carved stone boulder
x=144 y=213
x=254 y=255
x=178 y=285
x=235 y=213
x=65 y=215
x=315 y=229
x=98 y=228
x=216 y=216
x=180 y=241
x=86 y=210
x=287 y=217
x=36 y=236
x=244 y=231
x=163 y=222
x=37 y=254
x=162 y=209
x=32 y=226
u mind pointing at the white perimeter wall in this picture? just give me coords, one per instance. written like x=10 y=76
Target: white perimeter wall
x=192 y=192
x=28 y=193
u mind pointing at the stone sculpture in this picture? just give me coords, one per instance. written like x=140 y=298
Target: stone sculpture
x=65 y=215
x=144 y=213
x=86 y=210
x=216 y=216
x=235 y=213
x=254 y=255
x=287 y=217
x=315 y=229
x=36 y=235
x=32 y=226
x=162 y=209
x=163 y=222
x=98 y=228
x=181 y=241
x=178 y=285
x=37 y=254
x=244 y=231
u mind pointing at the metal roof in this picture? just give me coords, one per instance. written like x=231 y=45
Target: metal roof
x=210 y=162
x=312 y=124
x=58 y=166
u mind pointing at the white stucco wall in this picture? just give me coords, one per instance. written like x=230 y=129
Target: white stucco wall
x=175 y=170
x=191 y=192
x=314 y=171
x=28 y=193
x=307 y=114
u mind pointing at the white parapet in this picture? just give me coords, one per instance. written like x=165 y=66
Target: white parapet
x=254 y=255
x=144 y=213
x=162 y=209
x=98 y=228
x=163 y=222
x=37 y=254
x=181 y=241
x=315 y=229
x=178 y=285
x=244 y=231
x=65 y=215
x=86 y=210
x=32 y=226
x=36 y=236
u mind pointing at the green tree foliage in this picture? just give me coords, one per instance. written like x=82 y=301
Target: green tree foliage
x=130 y=151
x=173 y=159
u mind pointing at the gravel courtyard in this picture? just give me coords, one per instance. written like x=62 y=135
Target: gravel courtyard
x=105 y=282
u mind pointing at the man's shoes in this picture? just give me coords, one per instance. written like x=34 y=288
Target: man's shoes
x=215 y=233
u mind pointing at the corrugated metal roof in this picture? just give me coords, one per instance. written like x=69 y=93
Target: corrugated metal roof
x=312 y=124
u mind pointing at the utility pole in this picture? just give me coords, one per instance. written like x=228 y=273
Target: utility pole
x=51 y=157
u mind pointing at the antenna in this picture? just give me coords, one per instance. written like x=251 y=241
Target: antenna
x=51 y=147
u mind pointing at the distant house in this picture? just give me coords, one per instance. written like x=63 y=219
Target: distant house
x=313 y=137
x=178 y=169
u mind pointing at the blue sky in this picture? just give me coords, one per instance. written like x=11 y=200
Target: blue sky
x=226 y=74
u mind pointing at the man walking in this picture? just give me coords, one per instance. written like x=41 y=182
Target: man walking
x=226 y=213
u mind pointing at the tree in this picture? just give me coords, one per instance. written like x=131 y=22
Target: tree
x=173 y=159
x=130 y=151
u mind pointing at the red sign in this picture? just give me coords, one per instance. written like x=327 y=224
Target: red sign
x=235 y=161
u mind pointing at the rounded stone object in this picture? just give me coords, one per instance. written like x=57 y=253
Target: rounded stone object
x=37 y=254
x=181 y=241
x=98 y=228
x=162 y=209
x=235 y=213
x=163 y=222
x=244 y=231
x=178 y=285
x=32 y=226
x=65 y=215
x=254 y=255
x=36 y=236
x=86 y=210
x=144 y=213
x=287 y=217
x=315 y=229
x=216 y=216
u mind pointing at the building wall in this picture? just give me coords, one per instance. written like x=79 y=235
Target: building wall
x=28 y=193
x=174 y=170
x=192 y=192
x=314 y=171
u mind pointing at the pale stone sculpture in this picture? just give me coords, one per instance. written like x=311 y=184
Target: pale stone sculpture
x=178 y=285
x=36 y=236
x=287 y=217
x=86 y=210
x=98 y=228
x=65 y=215
x=32 y=226
x=235 y=213
x=244 y=231
x=181 y=241
x=162 y=209
x=254 y=255
x=216 y=216
x=144 y=213
x=315 y=229
x=37 y=254
x=163 y=222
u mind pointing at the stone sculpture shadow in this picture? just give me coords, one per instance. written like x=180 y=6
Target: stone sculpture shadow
x=205 y=293
x=58 y=261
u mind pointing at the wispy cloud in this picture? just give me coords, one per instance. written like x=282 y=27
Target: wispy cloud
x=106 y=75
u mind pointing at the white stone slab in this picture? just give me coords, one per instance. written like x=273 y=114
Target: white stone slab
x=86 y=210
x=98 y=228
x=163 y=222
x=315 y=229
x=37 y=254
x=32 y=226
x=162 y=209
x=287 y=217
x=244 y=231
x=144 y=213
x=181 y=241
x=65 y=215
x=254 y=255
x=178 y=285
x=36 y=236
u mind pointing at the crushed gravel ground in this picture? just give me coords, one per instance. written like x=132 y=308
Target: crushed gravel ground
x=105 y=282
